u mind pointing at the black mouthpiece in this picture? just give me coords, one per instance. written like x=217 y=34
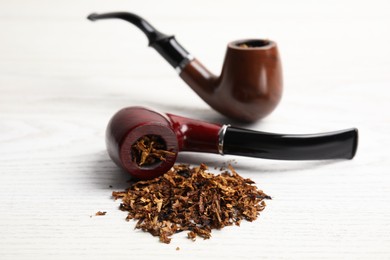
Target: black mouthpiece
x=332 y=145
x=166 y=45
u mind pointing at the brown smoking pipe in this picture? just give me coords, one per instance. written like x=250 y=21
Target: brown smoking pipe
x=250 y=85
x=177 y=134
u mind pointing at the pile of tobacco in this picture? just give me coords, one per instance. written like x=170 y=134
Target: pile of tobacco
x=193 y=200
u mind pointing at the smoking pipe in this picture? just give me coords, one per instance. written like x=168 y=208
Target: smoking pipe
x=250 y=85
x=180 y=134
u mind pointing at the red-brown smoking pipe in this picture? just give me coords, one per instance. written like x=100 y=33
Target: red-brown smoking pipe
x=183 y=134
x=250 y=85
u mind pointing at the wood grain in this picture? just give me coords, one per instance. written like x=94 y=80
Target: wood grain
x=62 y=78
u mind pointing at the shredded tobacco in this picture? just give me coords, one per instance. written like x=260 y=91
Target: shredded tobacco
x=193 y=200
x=148 y=150
x=243 y=45
x=100 y=213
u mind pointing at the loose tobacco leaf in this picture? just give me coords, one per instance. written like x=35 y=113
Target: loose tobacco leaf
x=193 y=200
x=100 y=213
x=243 y=45
x=148 y=150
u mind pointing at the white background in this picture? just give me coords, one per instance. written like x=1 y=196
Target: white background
x=63 y=77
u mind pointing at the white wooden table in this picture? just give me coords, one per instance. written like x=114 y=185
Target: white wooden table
x=62 y=78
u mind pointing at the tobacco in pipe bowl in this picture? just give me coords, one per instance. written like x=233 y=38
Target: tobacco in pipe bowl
x=131 y=128
x=251 y=77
